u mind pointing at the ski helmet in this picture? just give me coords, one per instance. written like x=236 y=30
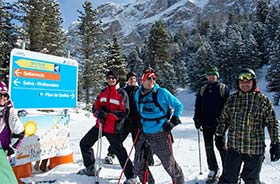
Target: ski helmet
x=247 y=74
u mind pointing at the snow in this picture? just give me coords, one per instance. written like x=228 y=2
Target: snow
x=199 y=3
x=185 y=148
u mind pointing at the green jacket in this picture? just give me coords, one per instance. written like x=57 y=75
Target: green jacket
x=6 y=173
x=245 y=115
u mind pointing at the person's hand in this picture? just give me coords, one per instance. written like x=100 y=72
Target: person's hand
x=274 y=151
x=220 y=142
x=197 y=123
x=169 y=125
x=10 y=151
x=102 y=114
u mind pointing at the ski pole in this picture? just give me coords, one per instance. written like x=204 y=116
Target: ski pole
x=136 y=139
x=171 y=152
x=98 y=154
x=199 y=151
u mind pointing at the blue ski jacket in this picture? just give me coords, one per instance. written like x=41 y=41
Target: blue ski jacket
x=152 y=116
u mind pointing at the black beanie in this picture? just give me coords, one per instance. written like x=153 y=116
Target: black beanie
x=114 y=73
x=130 y=74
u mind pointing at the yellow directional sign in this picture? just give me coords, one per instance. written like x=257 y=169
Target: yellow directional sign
x=35 y=65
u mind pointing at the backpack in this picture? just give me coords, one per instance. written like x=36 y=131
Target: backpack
x=222 y=89
x=155 y=101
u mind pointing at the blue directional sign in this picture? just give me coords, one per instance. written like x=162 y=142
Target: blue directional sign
x=42 y=81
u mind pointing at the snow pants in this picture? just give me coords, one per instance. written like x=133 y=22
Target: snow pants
x=89 y=140
x=208 y=136
x=130 y=126
x=161 y=146
x=251 y=168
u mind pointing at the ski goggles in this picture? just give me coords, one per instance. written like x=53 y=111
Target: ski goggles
x=246 y=76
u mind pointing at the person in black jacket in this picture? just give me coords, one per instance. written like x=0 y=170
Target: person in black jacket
x=132 y=122
x=208 y=106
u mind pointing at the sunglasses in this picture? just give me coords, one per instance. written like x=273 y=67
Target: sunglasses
x=108 y=78
x=151 y=78
x=246 y=76
x=4 y=94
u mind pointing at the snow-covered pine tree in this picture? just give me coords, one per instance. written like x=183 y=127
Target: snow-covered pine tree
x=273 y=73
x=91 y=66
x=160 y=56
x=8 y=38
x=116 y=60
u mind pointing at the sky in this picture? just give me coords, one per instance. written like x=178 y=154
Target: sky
x=69 y=9
x=185 y=147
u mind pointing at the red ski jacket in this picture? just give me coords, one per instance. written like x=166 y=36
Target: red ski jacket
x=116 y=103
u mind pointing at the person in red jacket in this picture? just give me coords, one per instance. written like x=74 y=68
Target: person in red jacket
x=111 y=108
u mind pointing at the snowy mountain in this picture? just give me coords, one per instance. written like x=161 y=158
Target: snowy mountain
x=186 y=150
x=132 y=21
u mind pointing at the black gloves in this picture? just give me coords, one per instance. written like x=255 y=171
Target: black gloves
x=169 y=125
x=220 y=142
x=197 y=123
x=274 y=151
x=102 y=113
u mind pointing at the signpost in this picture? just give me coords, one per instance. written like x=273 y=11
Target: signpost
x=42 y=81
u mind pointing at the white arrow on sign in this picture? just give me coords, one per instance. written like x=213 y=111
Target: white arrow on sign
x=72 y=95
x=16 y=82
x=17 y=72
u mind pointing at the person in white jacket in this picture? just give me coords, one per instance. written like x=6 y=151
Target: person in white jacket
x=11 y=128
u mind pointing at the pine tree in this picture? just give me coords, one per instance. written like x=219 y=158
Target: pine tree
x=273 y=72
x=160 y=55
x=116 y=61
x=41 y=26
x=91 y=64
x=8 y=38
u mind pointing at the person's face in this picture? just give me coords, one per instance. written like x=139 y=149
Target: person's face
x=111 y=80
x=3 y=98
x=212 y=78
x=245 y=85
x=149 y=83
x=132 y=81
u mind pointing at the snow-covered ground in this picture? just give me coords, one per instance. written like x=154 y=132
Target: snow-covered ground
x=185 y=150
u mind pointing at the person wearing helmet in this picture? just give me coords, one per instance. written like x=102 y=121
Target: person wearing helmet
x=245 y=115
x=11 y=128
x=110 y=109
x=212 y=94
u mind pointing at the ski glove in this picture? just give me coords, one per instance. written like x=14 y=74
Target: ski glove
x=102 y=113
x=197 y=123
x=220 y=142
x=274 y=151
x=169 y=125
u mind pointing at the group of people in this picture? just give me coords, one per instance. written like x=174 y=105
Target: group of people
x=242 y=116
x=233 y=123
x=143 y=111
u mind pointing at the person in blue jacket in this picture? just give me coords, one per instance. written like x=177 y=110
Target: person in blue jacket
x=154 y=106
